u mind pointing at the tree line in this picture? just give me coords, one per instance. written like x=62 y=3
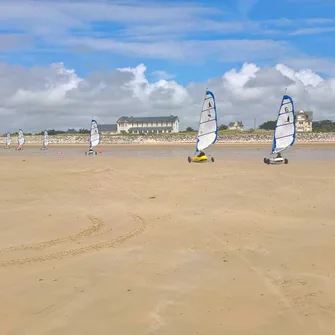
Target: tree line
x=322 y=126
x=69 y=131
x=221 y=127
x=55 y=132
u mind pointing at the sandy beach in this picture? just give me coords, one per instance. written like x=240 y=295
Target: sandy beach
x=127 y=245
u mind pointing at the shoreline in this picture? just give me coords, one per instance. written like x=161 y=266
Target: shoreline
x=172 y=144
x=175 y=139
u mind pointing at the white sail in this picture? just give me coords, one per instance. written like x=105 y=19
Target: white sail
x=284 y=134
x=95 y=136
x=8 y=140
x=20 y=139
x=45 y=139
x=208 y=127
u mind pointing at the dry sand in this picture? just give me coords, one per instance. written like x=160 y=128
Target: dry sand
x=109 y=245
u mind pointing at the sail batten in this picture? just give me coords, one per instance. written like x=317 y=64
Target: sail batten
x=95 y=136
x=207 y=132
x=285 y=131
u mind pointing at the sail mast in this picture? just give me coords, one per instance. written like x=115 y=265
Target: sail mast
x=202 y=107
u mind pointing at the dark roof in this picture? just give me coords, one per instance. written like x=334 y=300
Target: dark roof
x=108 y=127
x=71 y=131
x=149 y=128
x=170 y=118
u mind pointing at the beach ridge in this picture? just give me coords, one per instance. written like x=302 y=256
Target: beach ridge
x=179 y=138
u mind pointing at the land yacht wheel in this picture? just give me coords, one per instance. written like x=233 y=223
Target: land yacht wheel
x=286 y=161
x=265 y=160
x=189 y=159
x=212 y=159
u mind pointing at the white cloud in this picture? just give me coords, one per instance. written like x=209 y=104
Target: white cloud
x=56 y=97
x=237 y=79
x=316 y=64
x=305 y=76
x=177 y=30
x=43 y=18
x=313 y=31
x=14 y=42
x=181 y=29
x=159 y=74
x=245 y=6
x=192 y=50
x=54 y=92
x=320 y=20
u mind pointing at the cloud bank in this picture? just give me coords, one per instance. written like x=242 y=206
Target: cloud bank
x=56 y=97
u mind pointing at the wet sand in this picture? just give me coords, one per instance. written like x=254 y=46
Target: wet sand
x=122 y=245
x=300 y=151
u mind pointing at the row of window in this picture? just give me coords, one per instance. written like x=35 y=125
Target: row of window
x=149 y=131
x=150 y=124
x=302 y=122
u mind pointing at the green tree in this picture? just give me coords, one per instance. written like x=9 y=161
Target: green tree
x=223 y=127
x=268 y=125
x=189 y=129
x=52 y=132
x=84 y=131
x=324 y=126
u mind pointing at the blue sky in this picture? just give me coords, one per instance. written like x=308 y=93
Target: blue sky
x=187 y=41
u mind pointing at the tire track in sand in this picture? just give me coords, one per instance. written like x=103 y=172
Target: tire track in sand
x=84 y=250
x=87 y=171
x=96 y=226
x=268 y=281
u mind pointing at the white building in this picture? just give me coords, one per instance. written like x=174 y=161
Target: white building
x=147 y=125
x=303 y=121
x=237 y=125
